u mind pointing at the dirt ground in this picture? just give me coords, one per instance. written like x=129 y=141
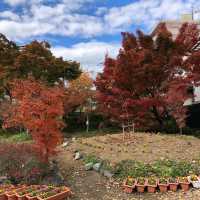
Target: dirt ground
x=141 y=147
x=89 y=185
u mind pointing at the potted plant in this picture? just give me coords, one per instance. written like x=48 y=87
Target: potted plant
x=163 y=184
x=151 y=184
x=11 y=193
x=33 y=195
x=141 y=184
x=195 y=180
x=173 y=184
x=184 y=183
x=21 y=193
x=129 y=185
x=57 y=194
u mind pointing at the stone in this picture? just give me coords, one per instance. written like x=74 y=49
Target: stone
x=73 y=139
x=89 y=166
x=108 y=174
x=97 y=166
x=65 y=144
x=101 y=171
x=77 y=156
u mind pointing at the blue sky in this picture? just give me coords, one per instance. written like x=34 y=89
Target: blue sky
x=85 y=30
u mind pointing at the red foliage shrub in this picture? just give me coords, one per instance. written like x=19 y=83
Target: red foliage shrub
x=39 y=109
x=20 y=162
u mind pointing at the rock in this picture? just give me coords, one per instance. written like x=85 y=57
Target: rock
x=97 y=166
x=73 y=139
x=89 y=166
x=77 y=156
x=65 y=144
x=108 y=174
x=101 y=171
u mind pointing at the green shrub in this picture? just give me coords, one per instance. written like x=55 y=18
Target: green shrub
x=160 y=168
x=90 y=158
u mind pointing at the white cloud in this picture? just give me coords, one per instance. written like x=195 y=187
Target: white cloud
x=14 y=2
x=65 y=17
x=91 y=55
x=60 y=19
x=147 y=13
x=9 y=15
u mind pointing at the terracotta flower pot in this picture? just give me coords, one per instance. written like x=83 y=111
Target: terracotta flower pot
x=59 y=196
x=185 y=186
x=4 y=189
x=29 y=197
x=3 y=196
x=151 y=188
x=11 y=196
x=27 y=191
x=163 y=187
x=173 y=186
x=128 y=188
x=140 y=187
x=184 y=183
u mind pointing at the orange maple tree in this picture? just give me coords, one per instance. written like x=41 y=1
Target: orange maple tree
x=39 y=109
x=79 y=91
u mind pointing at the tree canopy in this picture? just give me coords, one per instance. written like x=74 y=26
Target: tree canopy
x=149 y=79
x=35 y=59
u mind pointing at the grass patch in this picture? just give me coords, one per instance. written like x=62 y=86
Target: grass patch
x=90 y=158
x=18 y=137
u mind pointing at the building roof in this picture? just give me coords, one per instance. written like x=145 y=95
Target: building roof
x=173 y=26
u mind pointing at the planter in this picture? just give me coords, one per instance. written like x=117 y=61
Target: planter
x=173 y=184
x=127 y=187
x=26 y=191
x=33 y=195
x=184 y=183
x=163 y=187
x=141 y=186
x=3 y=196
x=3 y=189
x=58 y=195
x=11 y=195
x=151 y=187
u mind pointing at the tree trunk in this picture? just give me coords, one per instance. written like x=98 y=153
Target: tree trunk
x=158 y=117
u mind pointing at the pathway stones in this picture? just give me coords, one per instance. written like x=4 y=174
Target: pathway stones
x=97 y=167
x=89 y=166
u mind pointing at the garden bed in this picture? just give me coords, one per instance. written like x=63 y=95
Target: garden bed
x=143 y=147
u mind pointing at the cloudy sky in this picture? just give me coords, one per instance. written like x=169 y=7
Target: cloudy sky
x=85 y=30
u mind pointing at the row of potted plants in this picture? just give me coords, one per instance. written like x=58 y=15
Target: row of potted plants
x=33 y=192
x=163 y=184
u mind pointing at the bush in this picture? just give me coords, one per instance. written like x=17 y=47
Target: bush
x=20 y=163
x=160 y=168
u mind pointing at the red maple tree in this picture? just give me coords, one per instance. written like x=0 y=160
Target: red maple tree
x=148 y=80
x=39 y=109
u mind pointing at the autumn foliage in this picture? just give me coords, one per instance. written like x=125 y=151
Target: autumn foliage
x=39 y=109
x=149 y=79
x=78 y=92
